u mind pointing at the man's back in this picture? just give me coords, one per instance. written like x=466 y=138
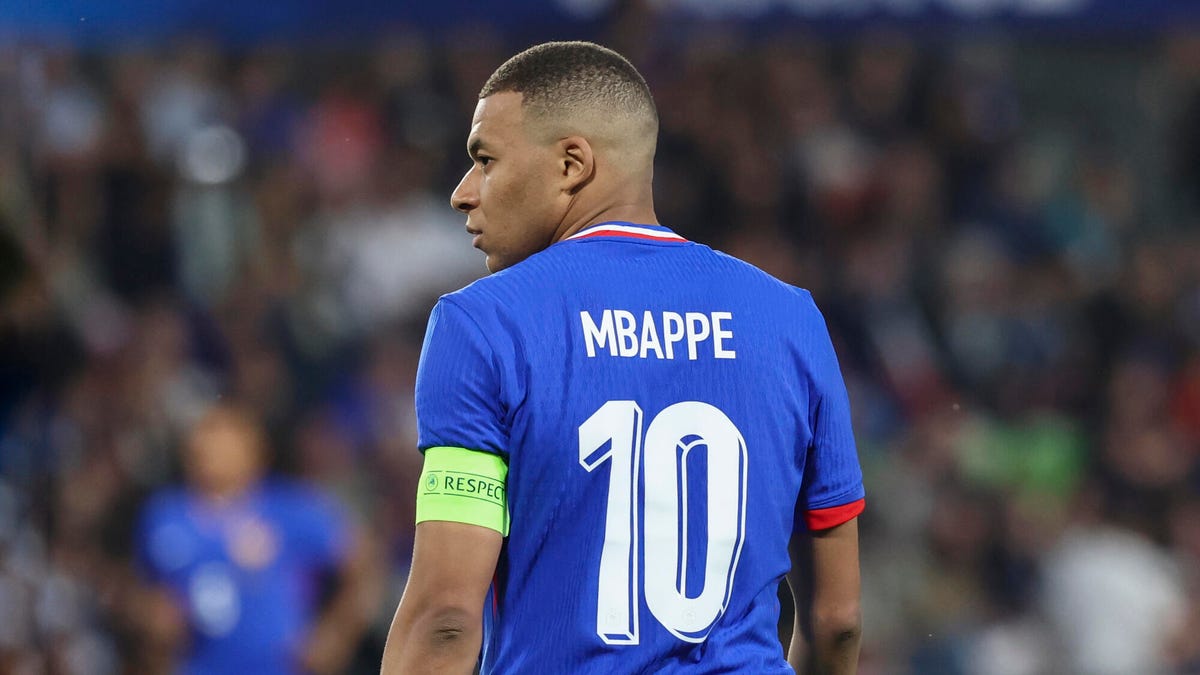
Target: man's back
x=662 y=409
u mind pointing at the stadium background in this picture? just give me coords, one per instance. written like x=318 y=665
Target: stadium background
x=996 y=203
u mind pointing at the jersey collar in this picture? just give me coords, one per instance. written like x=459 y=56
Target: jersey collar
x=625 y=230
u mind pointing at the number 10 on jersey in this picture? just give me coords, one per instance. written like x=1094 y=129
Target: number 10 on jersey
x=613 y=434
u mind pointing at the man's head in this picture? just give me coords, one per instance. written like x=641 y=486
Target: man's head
x=225 y=452
x=563 y=135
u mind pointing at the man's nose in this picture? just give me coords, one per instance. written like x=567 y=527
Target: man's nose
x=466 y=196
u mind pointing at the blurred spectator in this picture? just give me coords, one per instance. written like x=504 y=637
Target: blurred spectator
x=1115 y=598
x=237 y=559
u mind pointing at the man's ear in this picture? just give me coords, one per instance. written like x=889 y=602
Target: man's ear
x=577 y=162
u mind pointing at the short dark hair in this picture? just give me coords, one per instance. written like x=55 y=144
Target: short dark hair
x=566 y=75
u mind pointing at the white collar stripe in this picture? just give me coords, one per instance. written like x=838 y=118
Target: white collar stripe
x=626 y=230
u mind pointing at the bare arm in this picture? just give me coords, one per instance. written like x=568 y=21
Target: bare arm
x=438 y=625
x=825 y=586
x=162 y=627
x=333 y=639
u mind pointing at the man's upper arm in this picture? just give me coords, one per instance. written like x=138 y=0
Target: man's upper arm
x=461 y=497
x=459 y=395
x=453 y=564
x=464 y=486
x=825 y=564
x=825 y=585
x=462 y=519
x=462 y=510
x=831 y=492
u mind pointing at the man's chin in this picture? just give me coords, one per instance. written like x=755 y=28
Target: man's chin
x=492 y=263
x=495 y=264
x=497 y=261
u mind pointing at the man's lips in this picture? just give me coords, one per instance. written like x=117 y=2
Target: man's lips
x=476 y=235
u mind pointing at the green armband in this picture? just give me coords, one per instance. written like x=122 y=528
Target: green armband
x=464 y=486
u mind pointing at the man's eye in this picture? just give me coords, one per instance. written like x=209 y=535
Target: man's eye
x=483 y=161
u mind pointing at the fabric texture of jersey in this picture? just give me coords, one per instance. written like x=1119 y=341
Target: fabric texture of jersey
x=669 y=415
x=246 y=573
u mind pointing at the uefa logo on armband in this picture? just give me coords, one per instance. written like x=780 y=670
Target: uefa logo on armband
x=431 y=482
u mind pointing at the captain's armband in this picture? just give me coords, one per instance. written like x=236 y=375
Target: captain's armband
x=464 y=486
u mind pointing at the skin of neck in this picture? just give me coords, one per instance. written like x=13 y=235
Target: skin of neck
x=627 y=197
x=225 y=494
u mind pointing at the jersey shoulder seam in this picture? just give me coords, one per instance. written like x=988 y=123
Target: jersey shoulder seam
x=494 y=357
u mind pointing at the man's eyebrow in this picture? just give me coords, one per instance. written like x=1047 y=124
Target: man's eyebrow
x=475 y=146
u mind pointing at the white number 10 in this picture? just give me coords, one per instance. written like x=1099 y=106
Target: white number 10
x=671 y=435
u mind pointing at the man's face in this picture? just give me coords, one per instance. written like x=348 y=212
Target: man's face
x=222 y=457
x=510 y=194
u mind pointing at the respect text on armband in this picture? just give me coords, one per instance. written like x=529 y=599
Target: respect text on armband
x=460 y=484
x=658 y=335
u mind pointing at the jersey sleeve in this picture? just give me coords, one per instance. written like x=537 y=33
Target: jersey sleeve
x=321 y=528
x=147 y=542
x=832 y=489
x=458 y=391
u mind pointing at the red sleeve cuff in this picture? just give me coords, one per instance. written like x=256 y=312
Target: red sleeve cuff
x=823 y=519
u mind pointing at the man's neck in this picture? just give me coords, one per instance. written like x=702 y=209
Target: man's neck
x=631 y=213
x=224 y=495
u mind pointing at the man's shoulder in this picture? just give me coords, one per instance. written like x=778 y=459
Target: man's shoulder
x=755 y=273
x=763 y=284
x=524 y=287
x=505 y=291
x=165 y=503
x=291 y=496
x=479 y=303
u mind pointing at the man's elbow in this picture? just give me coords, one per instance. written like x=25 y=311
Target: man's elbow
x=838 y=626
x=447 y=626
x=434 y=637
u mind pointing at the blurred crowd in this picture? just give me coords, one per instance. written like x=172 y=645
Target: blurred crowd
x=1004 y=236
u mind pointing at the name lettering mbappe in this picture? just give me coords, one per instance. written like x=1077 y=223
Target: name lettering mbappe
x=621 y=333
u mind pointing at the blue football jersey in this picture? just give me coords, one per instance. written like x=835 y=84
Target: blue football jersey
x=669 y=415
x=245 y=573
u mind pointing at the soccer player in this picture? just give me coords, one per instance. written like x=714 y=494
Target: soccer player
x=623 y=430
x=234 y=558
